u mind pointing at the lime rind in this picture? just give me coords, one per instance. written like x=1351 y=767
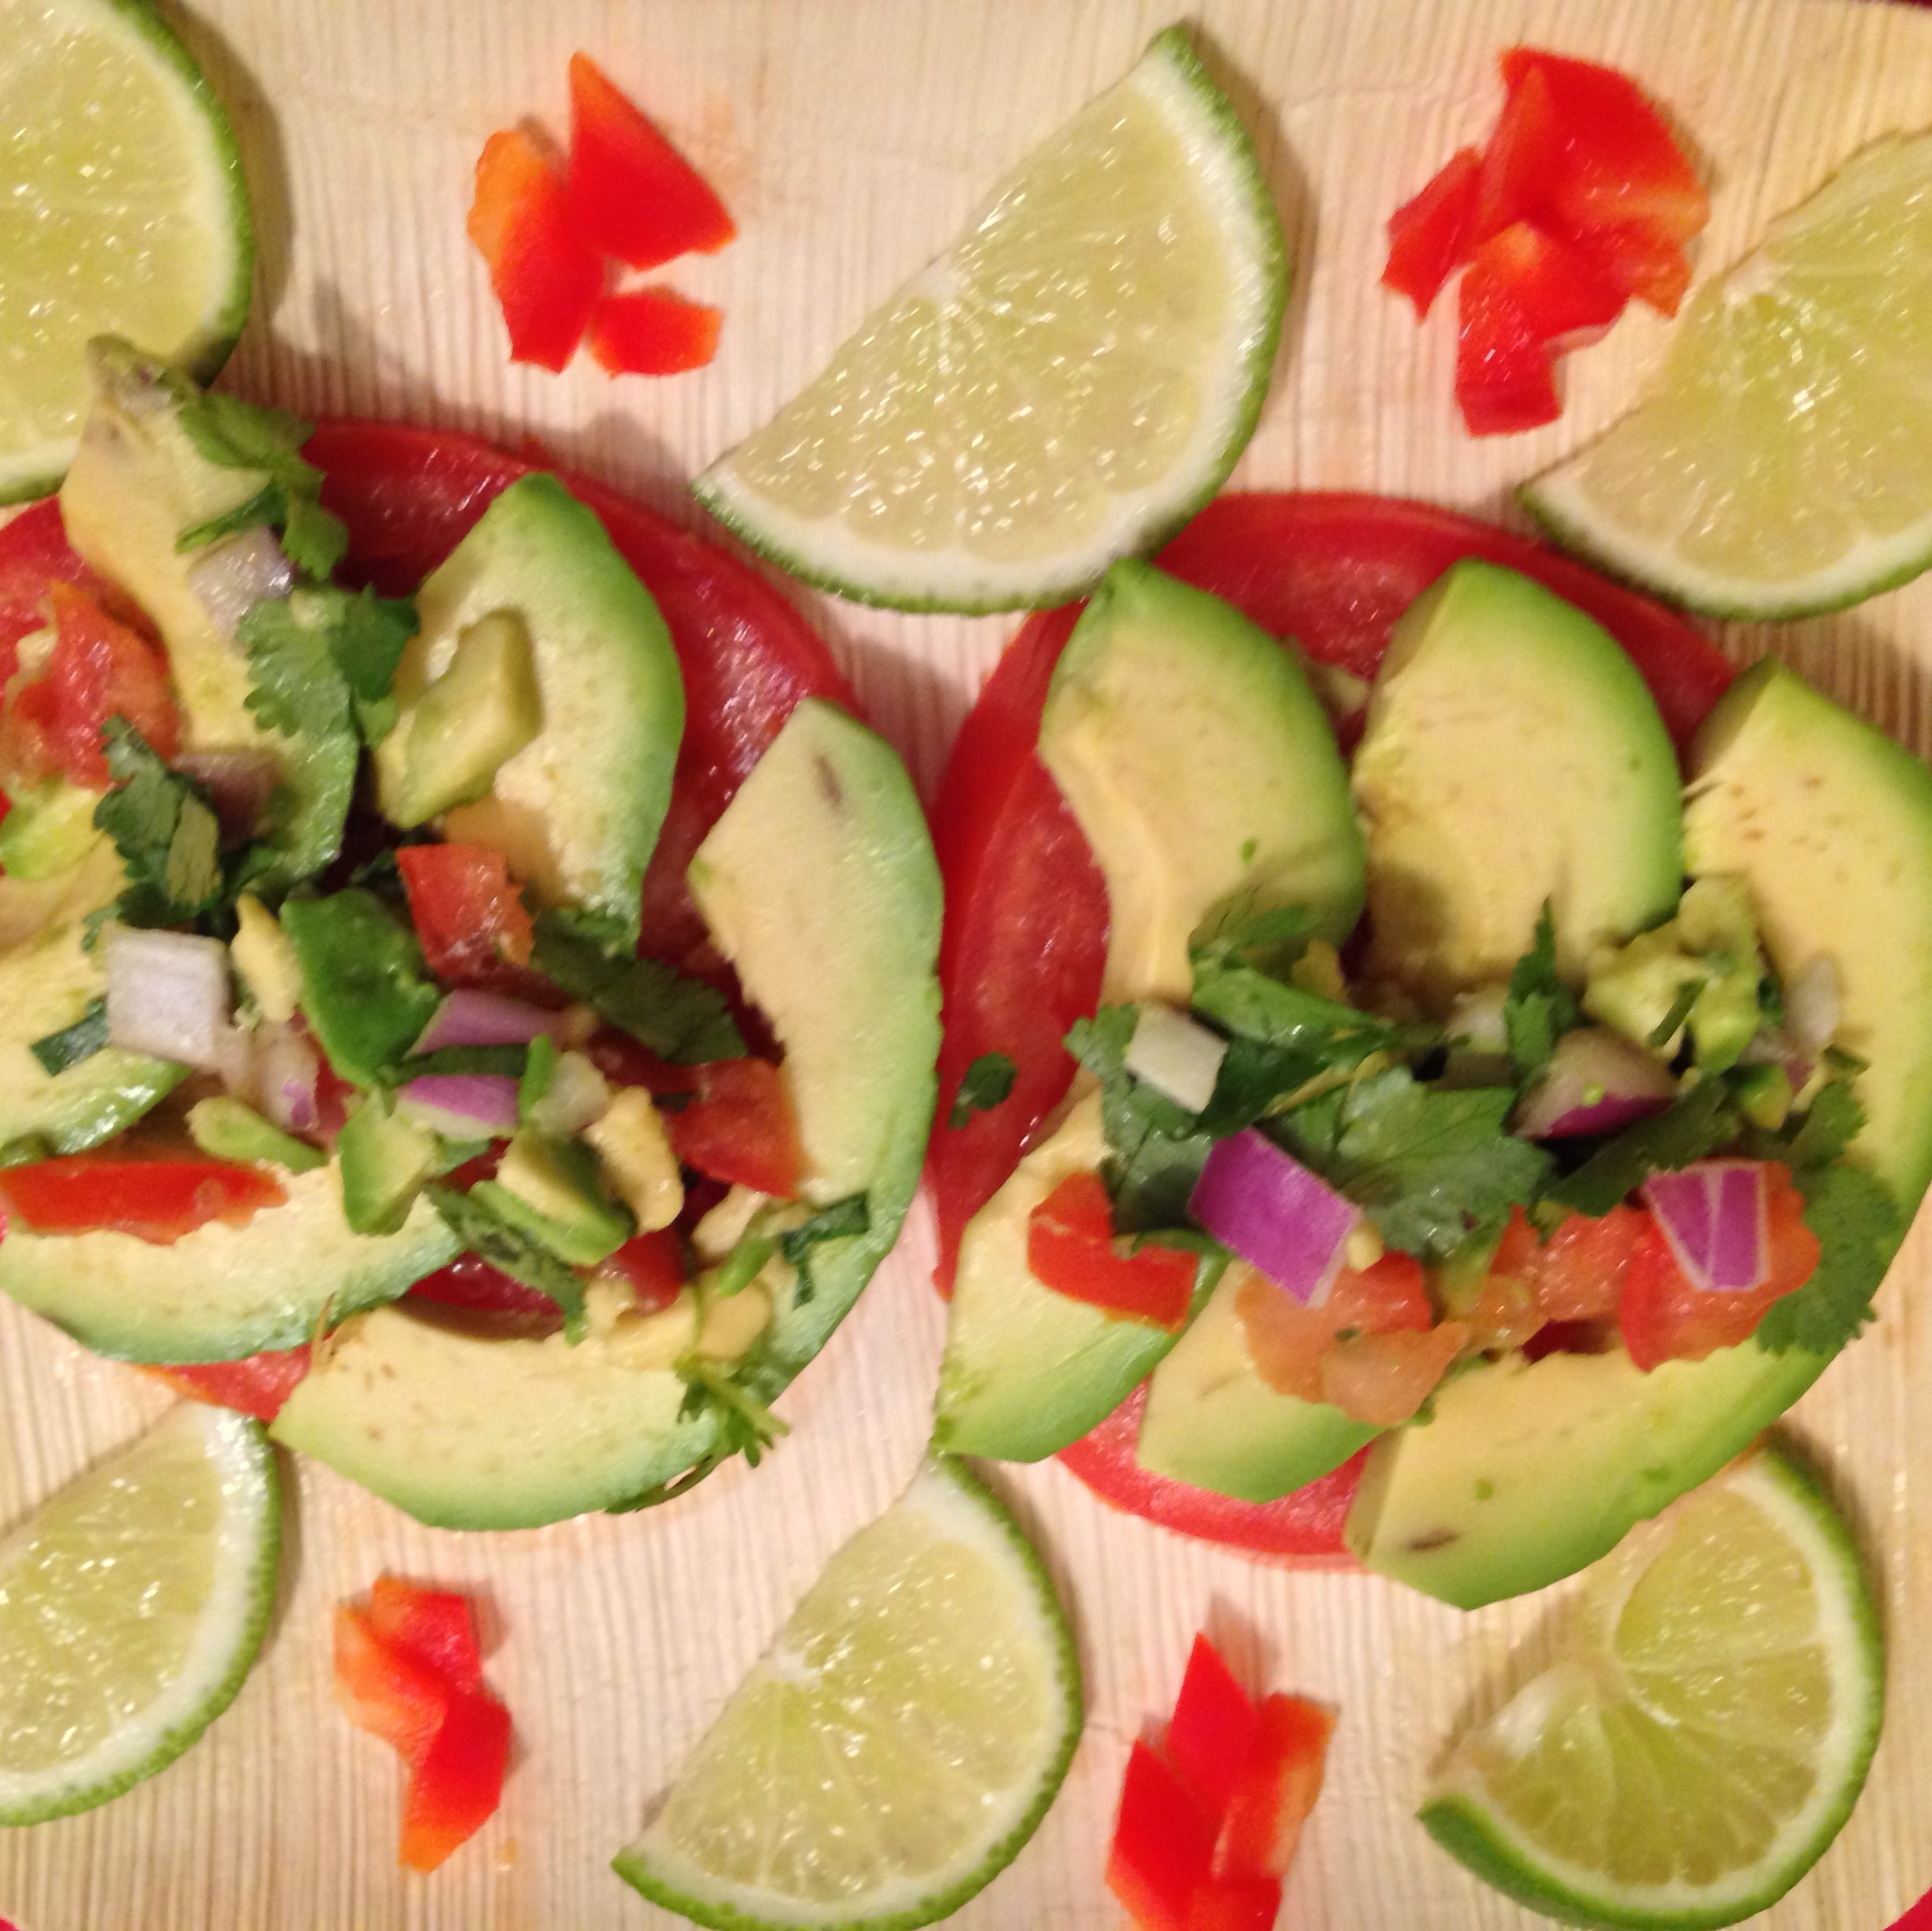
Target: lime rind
x=1225 y=164
x=227 y=1637
x=971 y=1514
x=28 y=474
x=1471 y=1831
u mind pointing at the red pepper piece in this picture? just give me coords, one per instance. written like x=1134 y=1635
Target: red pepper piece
x=456 y=1787
x=1279 y=1781
x=1070 y=1248
x=1559 y=289
x=546 y=276
x=1505 y=377
x=434 y=1627
x=1430 y=237
x=651 y=331
x=632 y=194
x=1213 y=1727
x=1653 y=271
x=1235 y=1904
x=399 y=1698
x=1527 y=145
x=1163 y=1846
x=155 y=1200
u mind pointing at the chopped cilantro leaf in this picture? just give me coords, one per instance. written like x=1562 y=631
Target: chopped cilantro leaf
x=486 y=1233
x=840 y=1221
x=1692 y=1128
x=1238 y=932
x=1856 y=1221
x=748 y=1427
x=505 y=1061
x=324 y=661
x=985 y=1084
x=1155 y=1149
x=164 y=830
x=1678 y=1011
x=681 y=1019
x=539 y=1070
x=234 y=435
x=57 y=1051
x=1538 y=1007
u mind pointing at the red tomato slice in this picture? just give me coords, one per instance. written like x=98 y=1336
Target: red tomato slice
x=1506 y=372
x=652 y=332
x=434 y=1627
x=632 y=194
x=1429 y=235
x=1071 y=1248
x=1213 y=1726
x=1163 y=1846
x=34 y=554
x=469 y=916
x=257 y=1385
x=154 y=1200
x=1025 y=935
x=547 y=278
x=469 y=1282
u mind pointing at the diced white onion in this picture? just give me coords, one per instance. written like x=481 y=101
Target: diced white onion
x=168 y=997
x=1175 y=1056
x=232 y=577
x=287 y=1069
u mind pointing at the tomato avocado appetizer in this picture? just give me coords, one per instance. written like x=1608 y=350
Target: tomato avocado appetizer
x=474 y=1118
x=1547 y=1182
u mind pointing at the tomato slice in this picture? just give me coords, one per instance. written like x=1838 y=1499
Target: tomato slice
x=652 y=1265
x=154 y=1200
x=1429 y=235
x=653 y=331
x=1235 y=1904
x=1025 y=935
x=469 y=916
x=396 y=1697
x=632 y=194
x=35 y=554
x=547 y=277
x=1559 y=288
x=1071 y=1248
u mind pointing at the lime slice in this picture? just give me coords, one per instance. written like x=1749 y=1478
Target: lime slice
x=896 y=1746
x=122 y=212
x=1706 y=1730
x=131 y=1606
x=1777 y=466
x=1069 y=382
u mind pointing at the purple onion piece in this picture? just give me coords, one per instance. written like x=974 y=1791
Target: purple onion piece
x=1596 y=1082
x=1713 y=1215
x=470 y=1017
x=487 y=1100
x=1286 y=1222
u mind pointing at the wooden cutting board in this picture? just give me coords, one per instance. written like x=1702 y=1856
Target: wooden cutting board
x=850 y=137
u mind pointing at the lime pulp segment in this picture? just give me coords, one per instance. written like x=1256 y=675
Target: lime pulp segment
x=1708 y=1730
x=132 y=1604
x=1072 y=379
x=896 y=1746
x=122 y=211
x=1777 y=466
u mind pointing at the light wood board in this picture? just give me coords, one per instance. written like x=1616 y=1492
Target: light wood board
x=850 y=137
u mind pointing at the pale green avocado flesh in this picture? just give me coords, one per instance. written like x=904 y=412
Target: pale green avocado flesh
x=1159 y=684
x=577 y=809
x=1512 y=755
x=819 y=885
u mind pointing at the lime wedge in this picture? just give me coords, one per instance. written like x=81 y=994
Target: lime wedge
x=896 y=1746
x=122 y=212
x=1777 y=466
x=131 y=1606
x=1707 y=1729
x=1069 y=382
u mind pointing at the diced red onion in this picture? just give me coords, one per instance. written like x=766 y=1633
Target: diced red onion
x=287 y=1069
x=1268 y=1208
x=168 y=997
x=235 y=575
x=1713 y=1215
x=1175 y=1056
x=239 y=784
x=1811 y=1006
x=478 y=1102
x=1597 y=1081
x=468 y=1017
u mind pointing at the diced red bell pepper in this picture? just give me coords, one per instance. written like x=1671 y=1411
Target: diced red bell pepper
x=456 y=1788
x=546 y=276
x=632 y=194
x=1213 y=1727
x=652 y=332
x=1430 y=237
x=1557 y=287
x=1280 y=1779
x=739 y=1126
x=397 y=1698
x=434 y=1627
x=467 y=913
x=1506 y=379
x=1163 y=1847
x=652 y=1265
x=98 y=669
x=1654 y=271
x=1235 y=1904
x=155 y=1200
x=1527 y=146
x=1071 y=1248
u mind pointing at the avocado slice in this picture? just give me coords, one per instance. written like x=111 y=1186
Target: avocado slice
x=1512 y=755
x=818 y=884
x=1202 y=769
x=48 y=830
x=227 y=1129
x=1027 y=1370
x=576 y=809
x=1527 y=1471
x=221 y=1293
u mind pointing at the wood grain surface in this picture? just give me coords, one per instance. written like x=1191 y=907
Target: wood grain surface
x=849 y=137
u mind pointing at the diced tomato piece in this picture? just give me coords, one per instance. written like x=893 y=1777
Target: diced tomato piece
x=547 y=277
x=1280 y=1779
x=394 y=1696
x=98 y=669
x=1235 y=1904
x=154 y=1200
x=1289 y=1343
x=1639 y=263
x=1527 y=146
x=456 y=1787
x=1385 y=1378
x=434 y=1627
x=1506 y=379
x=653 y=1264
x=1213 y=1726
x=652 y=332
x=470 y=1281
x=35 y=556
x=1621 y=166
x=468 y=915
x=1577 y=1274
x=1558 y=287
x=1663 y=1317
x=1162 y=1847
x=739 y=1125
x=257 y=1385
x=1430 y=237
x=1071 y=1248
x=632 y=194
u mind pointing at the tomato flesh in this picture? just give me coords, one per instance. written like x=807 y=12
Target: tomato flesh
x=652 y=1265
x=155 y=1200
x=1429 y=235
x=468 y=914
x=257 y=1385
x=652 y=332
x=547 y=278
x=456 y=1788
x=1071 y=1248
